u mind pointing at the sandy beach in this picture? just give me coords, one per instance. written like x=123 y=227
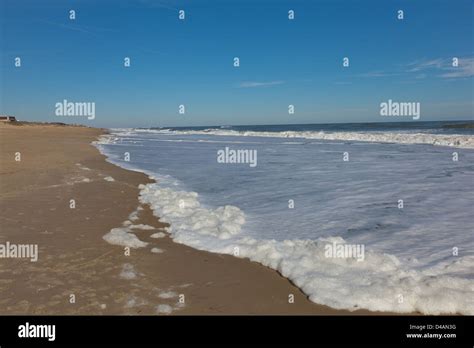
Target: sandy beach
x=58 y=163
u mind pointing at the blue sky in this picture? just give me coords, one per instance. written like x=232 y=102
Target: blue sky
x=190 y=62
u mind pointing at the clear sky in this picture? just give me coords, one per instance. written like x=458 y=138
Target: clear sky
x=190 y=62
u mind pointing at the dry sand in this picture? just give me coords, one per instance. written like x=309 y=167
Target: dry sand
x=58 y=163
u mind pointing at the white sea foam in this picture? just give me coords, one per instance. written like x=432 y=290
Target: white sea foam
x=183 y=210
x=128 y=272
x=454 y=140
x=134 y=301
x=82 y=167
x=164 y=309
x=167 y=294
x=141 y=227
x=134 y=214
x=158 y=235
x=376 y=284
x=122 y=236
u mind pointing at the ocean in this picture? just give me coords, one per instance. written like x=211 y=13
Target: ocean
x=375 y=216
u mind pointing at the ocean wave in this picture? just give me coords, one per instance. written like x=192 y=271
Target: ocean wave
x=452 y=140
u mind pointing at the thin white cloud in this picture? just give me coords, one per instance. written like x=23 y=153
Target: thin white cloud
x=81 y=28
x=444 y=67
x=69 y=26
x=253 y=84
x=424 y=68
x=377 y=74
x=424 y=64
x=464 y=69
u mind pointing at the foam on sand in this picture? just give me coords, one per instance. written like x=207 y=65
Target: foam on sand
x=167 y=294
x=184 y=211
x=142 y=227
x=158 y=235
x=134 y=215
x=123 y=236
x=82 y=167
x=164 y=309
x=379 y=283
x=128 y=272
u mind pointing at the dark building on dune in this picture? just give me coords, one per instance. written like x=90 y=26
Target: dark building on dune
x=7 y=118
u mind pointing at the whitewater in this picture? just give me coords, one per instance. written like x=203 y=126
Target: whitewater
x=303 y=196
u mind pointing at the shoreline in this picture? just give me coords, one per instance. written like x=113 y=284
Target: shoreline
x=60 y=163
